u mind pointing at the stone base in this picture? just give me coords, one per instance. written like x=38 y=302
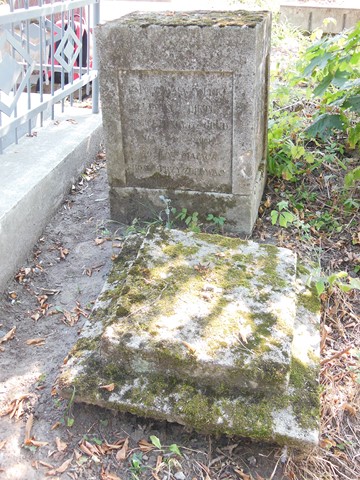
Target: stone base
x=240 y=211
x=214 y=333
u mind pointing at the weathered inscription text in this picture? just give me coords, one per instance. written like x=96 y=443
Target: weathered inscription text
x=177 y=125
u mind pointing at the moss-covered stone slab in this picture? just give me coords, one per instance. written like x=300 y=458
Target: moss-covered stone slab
x=205 y=307
x=212 y=332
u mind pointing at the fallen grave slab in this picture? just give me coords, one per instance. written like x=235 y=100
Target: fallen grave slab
x=212 y=332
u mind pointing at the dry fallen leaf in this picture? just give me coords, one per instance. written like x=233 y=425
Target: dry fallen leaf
x=267 y=202
x=113 y=446
x=88 y=448
x=2 y=443
x=63 y=467
x=327 y=443
x=189 y=347
x=145 y=446
x=69 y=318
x=242 y=475
x=259 y=477
x=108 y=475
x=28 y=427
x=349 y=408
x=99 y=241
x=37 y=342
x=122 y=453
x=15 y=409
x=8 y=336
x=36 y=443
x=60 y=445
x=56 y=425
x=44 y=464
x=109 y=387
x=63 y=252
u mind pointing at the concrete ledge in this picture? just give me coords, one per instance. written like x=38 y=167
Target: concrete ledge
x=35 y=176
x=312 y=15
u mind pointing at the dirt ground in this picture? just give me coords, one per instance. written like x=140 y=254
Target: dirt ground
x=47 y=302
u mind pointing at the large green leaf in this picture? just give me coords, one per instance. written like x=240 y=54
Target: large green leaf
x=340 y=78
x=353 y=103
x=354 y=136
x=320 y=89
x=324 y=125
x=319 y=61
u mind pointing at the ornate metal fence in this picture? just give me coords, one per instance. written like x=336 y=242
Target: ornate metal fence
x=47 y=56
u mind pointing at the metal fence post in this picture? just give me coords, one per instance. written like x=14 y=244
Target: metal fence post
x=95 y=85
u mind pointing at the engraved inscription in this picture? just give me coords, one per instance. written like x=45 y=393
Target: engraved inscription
x=177 y=129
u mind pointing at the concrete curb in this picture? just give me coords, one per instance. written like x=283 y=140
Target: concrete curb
x=311 y=16
x=35 y=177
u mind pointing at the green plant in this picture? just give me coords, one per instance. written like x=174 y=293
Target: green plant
x=191 y=220
x=136 y=465
x=352 y=177
x=289 y=155
x=95 y=440
x=282 y=215
x=218 y=222
x=155 y=441
x=57 y=402
x=173 y=448
x=326 y=221
x=68 y=418
x=41 y=380
x=341 y=280
x=333 y=65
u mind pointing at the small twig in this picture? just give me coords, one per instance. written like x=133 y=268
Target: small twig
x=288 y=107
x=274 y=471
x=337 y=355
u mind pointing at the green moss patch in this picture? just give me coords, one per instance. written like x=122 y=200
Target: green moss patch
x=205 y=330
x=238 y=18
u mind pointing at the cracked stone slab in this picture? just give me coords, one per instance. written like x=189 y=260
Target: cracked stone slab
x=207 y=331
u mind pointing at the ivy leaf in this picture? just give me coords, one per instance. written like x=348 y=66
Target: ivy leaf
x=285 y=218
x=324 y=125
x=282 y=205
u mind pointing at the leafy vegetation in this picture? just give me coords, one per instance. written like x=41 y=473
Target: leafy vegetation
x=333 y=65
x=313 y=205
x=314 y=130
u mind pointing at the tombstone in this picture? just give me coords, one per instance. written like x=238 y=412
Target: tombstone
x=212 y=332
x=184 y=101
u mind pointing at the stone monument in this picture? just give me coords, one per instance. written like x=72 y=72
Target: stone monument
x=212 y=332
x=184 y=100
